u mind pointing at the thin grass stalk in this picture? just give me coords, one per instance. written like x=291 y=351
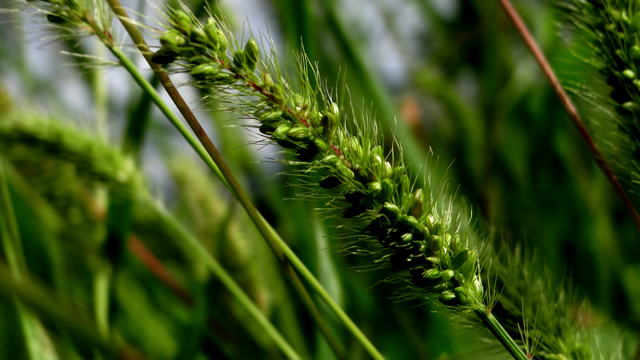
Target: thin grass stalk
x=500 y=333
x=164 y=108
x=275 y=242
x=571 y=109
x=420 y=244
x=283 y=256
x=102 y=296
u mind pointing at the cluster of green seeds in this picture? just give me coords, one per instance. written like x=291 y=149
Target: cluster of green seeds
x=611 y=30
x=413 y=239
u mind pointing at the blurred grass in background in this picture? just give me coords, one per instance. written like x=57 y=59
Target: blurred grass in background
x=451 y=76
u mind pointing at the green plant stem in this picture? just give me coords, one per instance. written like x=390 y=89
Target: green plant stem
x=101 y=285
x=500 y=333
x=195 y=247
x=276 y=243
x=166 y=111
x=571 y=109
x=200 y=150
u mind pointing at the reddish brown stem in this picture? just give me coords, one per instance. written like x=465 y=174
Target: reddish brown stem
x=570 y=108
x=159 y=270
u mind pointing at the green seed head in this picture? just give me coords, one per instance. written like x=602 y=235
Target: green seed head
x=198 y=36
x=431 y=274
x=334 y=110
x=271 y=115
x=222 y=41
x=444 y=286
x=204 y=70
x=375 y=188
x=281 y=132
x=277 y=94
x=387 y=188
x=462 y=295
x=172 y=40
x=252 y=53
x=344 y=170
x=417 y=203
x=377 y=151
x=300 y=133
x=406 y=238
x=239 y=59
x=200 y=59
x=355 y=148
x=223 y=78
x=267 y=81
x=447 y=298
x=411 y=222
x=391 y=211
x=321 y=145
x=314 y=119
x=182 y=22
x=298 y=101
x=438 y=243
x=210 y=29
x=387 y=169
x=629 y=74
x=447 y=275
x=330 y=160
x=328 y=123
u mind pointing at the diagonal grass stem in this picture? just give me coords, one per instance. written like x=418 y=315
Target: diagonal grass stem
x=277 y=245
x=200 y=150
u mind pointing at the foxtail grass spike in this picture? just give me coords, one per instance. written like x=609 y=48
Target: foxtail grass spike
x=409 y=230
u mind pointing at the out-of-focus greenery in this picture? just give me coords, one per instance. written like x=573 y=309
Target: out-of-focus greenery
x=466 y=87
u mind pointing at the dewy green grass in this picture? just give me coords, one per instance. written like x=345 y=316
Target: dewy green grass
x=413 y=230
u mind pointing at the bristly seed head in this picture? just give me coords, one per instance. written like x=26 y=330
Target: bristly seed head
x=414 y=239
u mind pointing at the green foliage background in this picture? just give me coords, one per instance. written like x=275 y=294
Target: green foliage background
x=471 y=93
